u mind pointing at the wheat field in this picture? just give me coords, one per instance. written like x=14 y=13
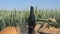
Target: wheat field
x=11 y=18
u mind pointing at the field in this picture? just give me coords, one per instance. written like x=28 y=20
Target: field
x=11 y=18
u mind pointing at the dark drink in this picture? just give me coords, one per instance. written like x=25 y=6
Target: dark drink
x=31 y=21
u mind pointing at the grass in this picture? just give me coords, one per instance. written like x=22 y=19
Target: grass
x=10 y=18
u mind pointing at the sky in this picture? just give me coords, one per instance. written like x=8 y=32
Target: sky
x=25 y=4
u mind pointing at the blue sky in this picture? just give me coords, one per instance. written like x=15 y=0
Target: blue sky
x=25 y=4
